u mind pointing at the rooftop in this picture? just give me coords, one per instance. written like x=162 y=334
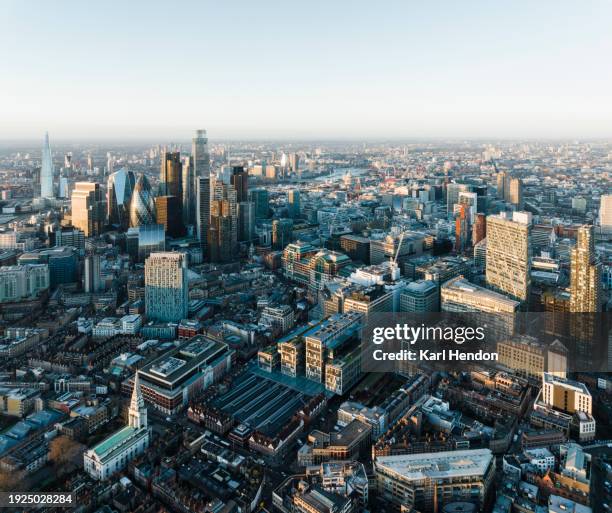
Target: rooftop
x=438 y=465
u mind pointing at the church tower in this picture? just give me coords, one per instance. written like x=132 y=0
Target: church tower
x=137 y=414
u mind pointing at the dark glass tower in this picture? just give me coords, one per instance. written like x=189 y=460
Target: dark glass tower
x=119 y=195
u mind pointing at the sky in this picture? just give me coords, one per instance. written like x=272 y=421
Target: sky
x=311 y=69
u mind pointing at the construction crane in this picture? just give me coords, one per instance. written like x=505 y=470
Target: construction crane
x=399 y=245
x=395 y=274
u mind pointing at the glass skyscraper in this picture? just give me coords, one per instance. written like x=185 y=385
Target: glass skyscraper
x=142 y=207
x=200 y=155
x=46 y=170
x=119 y=194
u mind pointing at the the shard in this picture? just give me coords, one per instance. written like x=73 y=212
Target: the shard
x=46 y=170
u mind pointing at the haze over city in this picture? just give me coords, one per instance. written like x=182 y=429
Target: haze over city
x=313 y=70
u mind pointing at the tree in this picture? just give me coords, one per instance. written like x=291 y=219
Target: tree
x=11 y=481
x=65 y=453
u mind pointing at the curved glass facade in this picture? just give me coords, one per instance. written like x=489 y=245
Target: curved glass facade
x=119 y=194
x=142 y=207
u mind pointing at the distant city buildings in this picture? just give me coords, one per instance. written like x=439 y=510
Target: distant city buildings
x=46 y=170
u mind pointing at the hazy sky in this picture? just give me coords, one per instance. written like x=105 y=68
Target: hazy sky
x=310 y=69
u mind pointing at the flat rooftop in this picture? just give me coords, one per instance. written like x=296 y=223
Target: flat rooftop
x=438 y=465
x=180 y=361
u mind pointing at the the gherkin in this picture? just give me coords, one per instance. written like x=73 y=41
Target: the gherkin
x=142 y=207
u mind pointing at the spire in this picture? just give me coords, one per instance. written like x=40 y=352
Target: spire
x=137 y=414
x=46 y=170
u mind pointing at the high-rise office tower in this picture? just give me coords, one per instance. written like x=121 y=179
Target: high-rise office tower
x=200 y=155
x=585 y=274
x=605 y=214
x=90 y=162
x=462 y=229
x=261 y=200
x=92 y=281
x=119 y=190
x=166 y=288
x=223 y=228
x=240 y=180
x=142 y=205
x=202 y=211
x=168 y=214
x=188 y=199
x=171 y=175
x=68 y=160
x=293 y=203
x=452 y=195
x=294 y=163
x=246 y=221
x=515 y=193
x=282 y=233
x=502 y=183
x=88 y=208
x=143 y=240
x=63 y=187
x=479 y=231
x=171 y=185
x=46 y=170
x=508 y=254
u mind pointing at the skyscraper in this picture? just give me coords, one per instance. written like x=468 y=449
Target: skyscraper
x=92 y=281
x=502 y=185
x=188 y=198
x=240 y=180
x=515 y=193
x=246 y=221
x=508 y=254
x=166 y=289
x=202 y=211
x=585 y=274
x=142 y=206
x=88 y=208
x=462 y=229
x=282 y=232
x=119 y=190
x=294 y=163
x=200 y=155
x=261 y=200
x=605 y=214
x=452 y=195
x=479 y=231
x=223 y=229
x=46 y=170
x=168 y=214
x=293 y=203
x=171 y=175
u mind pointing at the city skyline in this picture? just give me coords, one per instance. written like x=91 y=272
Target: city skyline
x=321 y=257
x=339 y=71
